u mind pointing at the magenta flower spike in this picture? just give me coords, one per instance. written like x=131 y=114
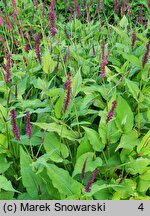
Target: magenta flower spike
x=67 y=87
x=97 y=7
x=36 y=4
x=37 y=47
x=27 y=47
x=28 y=125
x=146 y=55
x=83 y=169
x=7 y=68
x=77 y=9
x=8 y=24
x=1 y=19
x=4 y=44
x=103 y=67
x=52 y=19
x=84 y=4
x=15 y=7
x=103 y=49
x=14 y=18
x=133 y=40
x=111 y=112
x=43 y=12
x=104 y=60
x=15 y=129
x=140 y=18
x=91 y=180
x=149 y=3
x=116 y=6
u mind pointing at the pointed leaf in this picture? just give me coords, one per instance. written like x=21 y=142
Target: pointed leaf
x=94 y=139
x=48 y=63
x=76 y=83
x=63 y=181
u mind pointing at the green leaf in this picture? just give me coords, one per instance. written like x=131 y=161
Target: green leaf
x=29 y=178
x=97 y=188
x=138 y=166
x=4 y=165
x=143 y=185
x=63 y=181
x=144 y=147
x=48 y=63
x=17 y=57
x=87 y=101
x=104 y=194
x=53 y=92
x=25 y=141
x=94 y=139
x=91 y=164
x=102 y=130
x=6 y=184
x=3 y=143
x=40 y=84
x=6 y=195
x=128 y=188
x=59 y=106
x=128 y=140
x=3 y=112
x=124 y=22
x=76 y=83
x=29 y=103
x=120 y=32
x=84 y=147
x=58 y=128
x=57 y=150
x=124 y=115
x=133 y=88
x=146 y=176
x=132 y=59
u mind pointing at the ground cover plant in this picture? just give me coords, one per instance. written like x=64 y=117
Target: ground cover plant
x=75 y=99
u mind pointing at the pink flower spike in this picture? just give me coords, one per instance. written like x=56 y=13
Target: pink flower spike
x=1 y=19
x=8 y=26
x=36 y=4
x=15 y=7
x=146 y=55
x=37 y=47
x=15 y=129
x=77 y=9
x=91 y=180
x=140 y=18
x=133 y=40
x=116 y=6
x=67 y=87
x=149 y=3
x=83 y=169
x=7 y=68
x=4 y=44
x=103 y=49
x=28 y=125
x=14 y=18
x=52 y=19
x=111 y=112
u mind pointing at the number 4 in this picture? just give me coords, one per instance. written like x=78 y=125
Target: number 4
x=141 y=207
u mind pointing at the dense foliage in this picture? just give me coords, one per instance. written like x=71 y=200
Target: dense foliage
x=74 y=99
